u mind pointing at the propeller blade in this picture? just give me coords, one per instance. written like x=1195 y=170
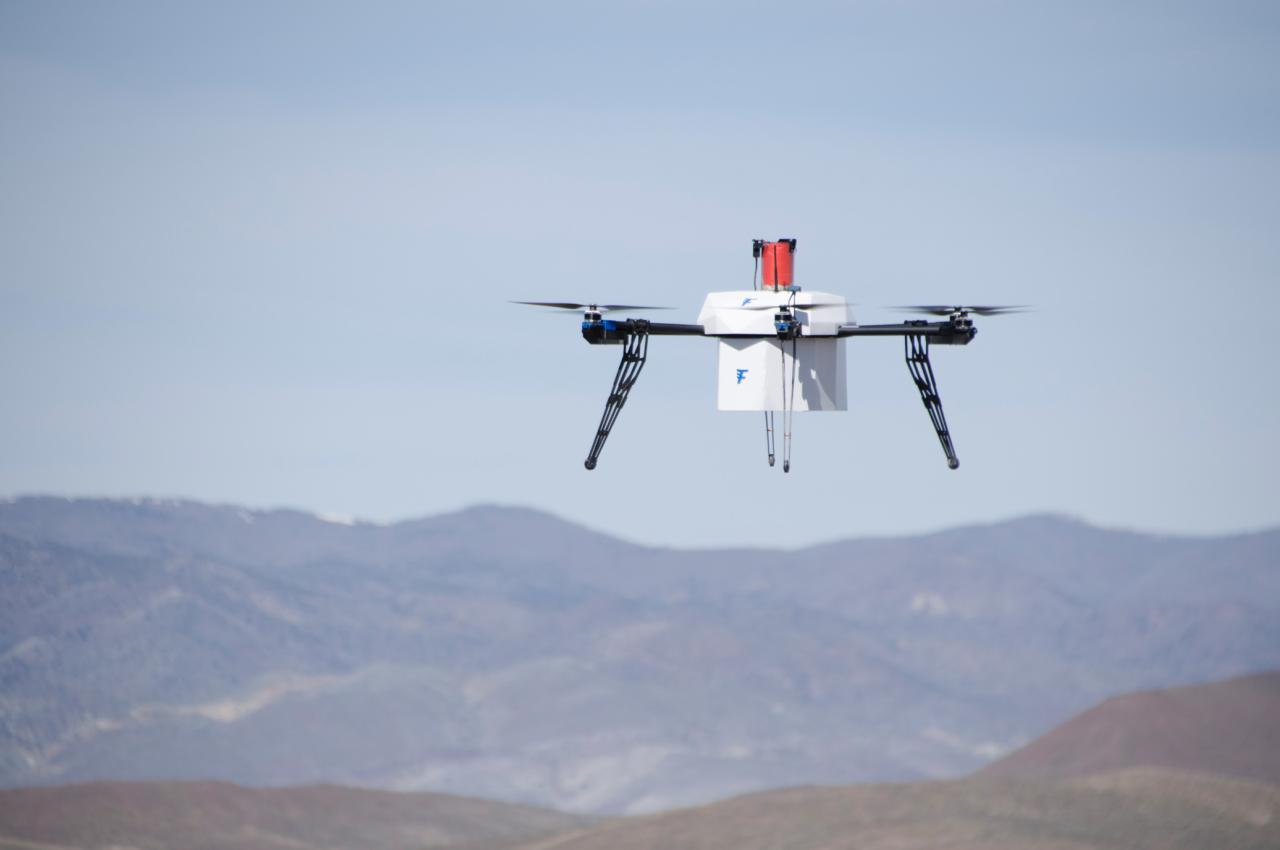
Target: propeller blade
x=998 y=310
x=570 y=305
x=948 y=310
x=559 y=305
x=787 y=303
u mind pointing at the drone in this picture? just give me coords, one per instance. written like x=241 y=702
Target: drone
x=782 y=349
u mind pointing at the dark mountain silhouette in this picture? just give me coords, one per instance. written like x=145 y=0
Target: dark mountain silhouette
x=505 y=653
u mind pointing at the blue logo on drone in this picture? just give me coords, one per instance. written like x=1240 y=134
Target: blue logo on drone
x=746 y=301
x=742 y=373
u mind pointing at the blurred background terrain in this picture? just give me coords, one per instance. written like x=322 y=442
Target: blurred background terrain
x=505 y=653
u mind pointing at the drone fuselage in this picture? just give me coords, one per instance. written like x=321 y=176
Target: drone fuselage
x=778 y=349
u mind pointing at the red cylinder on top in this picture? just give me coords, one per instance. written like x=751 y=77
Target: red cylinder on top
x=778 y=259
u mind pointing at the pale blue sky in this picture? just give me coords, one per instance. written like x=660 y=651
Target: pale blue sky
x=263 y=255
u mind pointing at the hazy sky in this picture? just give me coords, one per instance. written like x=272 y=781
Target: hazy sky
x=261 y=253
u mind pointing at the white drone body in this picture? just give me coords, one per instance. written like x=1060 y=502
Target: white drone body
x=758 y=371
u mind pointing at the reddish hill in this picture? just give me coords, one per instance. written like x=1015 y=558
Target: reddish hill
x=1230 y=728
x=222 y=816
x=1131 y=810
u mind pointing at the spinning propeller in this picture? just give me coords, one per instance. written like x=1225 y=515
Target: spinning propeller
x=595 y=308
x=945 y=310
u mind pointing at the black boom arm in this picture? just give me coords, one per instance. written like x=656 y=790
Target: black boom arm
x=958 y=331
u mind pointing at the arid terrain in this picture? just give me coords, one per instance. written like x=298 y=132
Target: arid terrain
x=222 y=816
x=1048 y=804
x=1128 y=809
x=1230 y=728
x=505 y=654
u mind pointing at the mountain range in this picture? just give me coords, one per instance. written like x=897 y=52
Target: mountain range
x=505 y=653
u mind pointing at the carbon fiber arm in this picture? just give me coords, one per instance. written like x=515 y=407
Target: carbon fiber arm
x=938 y=333
x=672 y=329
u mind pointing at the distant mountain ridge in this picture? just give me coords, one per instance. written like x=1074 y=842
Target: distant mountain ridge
x=506 y=653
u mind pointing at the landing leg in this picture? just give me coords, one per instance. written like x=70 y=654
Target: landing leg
x=768 y=434
x=917 y=351
x=634 y=352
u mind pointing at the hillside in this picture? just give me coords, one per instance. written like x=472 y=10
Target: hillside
x=1125 y=810
x=221 y=816
x=507 y=654
x=1129 y=808
x=1127 y=804
x=1133 y=810
x=1231 y=728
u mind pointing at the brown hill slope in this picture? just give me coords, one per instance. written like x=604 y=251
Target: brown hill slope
x=1230 y=728
x=1130 y=809
x=222 y=816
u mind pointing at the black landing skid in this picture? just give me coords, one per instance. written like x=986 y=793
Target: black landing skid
x=635 y=348
x=917 y=351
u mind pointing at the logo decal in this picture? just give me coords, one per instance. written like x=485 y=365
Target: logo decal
x=746 y=301
x=742 y=373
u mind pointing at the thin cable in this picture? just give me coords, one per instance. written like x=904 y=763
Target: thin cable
x=789 y=415
x=768 y=434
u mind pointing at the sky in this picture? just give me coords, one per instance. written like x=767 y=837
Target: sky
x=262 y=254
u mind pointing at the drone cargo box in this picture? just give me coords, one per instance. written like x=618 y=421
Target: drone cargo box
x=755 y=365
x=756 y=374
